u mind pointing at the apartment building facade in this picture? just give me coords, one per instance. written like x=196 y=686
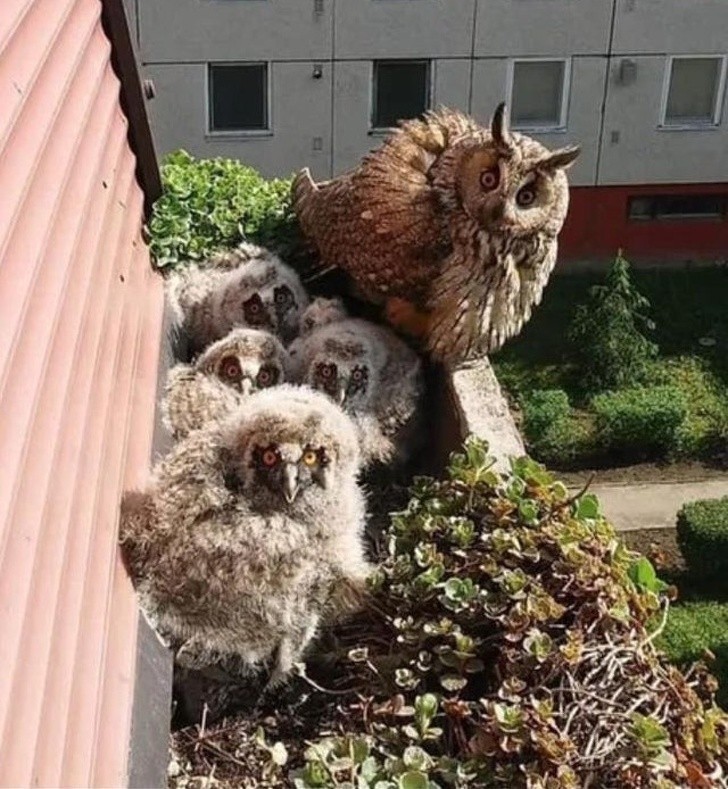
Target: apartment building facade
x=639 y=84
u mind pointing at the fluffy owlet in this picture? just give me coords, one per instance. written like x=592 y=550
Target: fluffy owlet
x=243 y=362
x=320 y=312
x=451 y=225
x=259 y=291
x=373 y=376
x=248 y=529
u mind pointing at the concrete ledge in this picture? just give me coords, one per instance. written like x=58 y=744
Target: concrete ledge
x=477 y=406
x=149 y=746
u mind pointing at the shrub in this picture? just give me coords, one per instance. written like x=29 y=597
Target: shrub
x=694 y=628
x=541 y=408
x=568 y=441
x=553 y=433
x=702 y=532
x=705 y=429
x=641 y=422
x=607 y=333
x=208 y=204
x=508 y=644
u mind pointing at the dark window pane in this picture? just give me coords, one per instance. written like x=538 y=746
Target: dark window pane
x=238 y=97
x=538 y=89
x=401 y=91
x=674 y=207
x=693 y=89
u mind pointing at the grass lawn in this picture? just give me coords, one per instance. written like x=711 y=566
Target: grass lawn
x=689 y=310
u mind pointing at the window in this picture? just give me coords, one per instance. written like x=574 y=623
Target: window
x=676 y=207
x=401 y=90
x=238 y=97
x=538 y=93
x=693 y=91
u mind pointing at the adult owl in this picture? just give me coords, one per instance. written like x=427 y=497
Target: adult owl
x=248 y=286
x=374 y=376
x=452 y=226
x=242 y=362
x=249 y=530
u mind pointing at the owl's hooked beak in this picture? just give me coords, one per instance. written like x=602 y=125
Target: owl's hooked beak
x=341 y=393
x=290 y=482
x=246 y=386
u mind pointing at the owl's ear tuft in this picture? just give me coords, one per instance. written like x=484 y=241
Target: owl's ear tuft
x=499 y=127
x=561 y=159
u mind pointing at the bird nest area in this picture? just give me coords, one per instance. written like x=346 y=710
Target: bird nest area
x=224 y=733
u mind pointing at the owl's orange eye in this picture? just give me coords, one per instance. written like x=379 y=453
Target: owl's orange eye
x=270 y=458
x=526 y=196
x=310 y=457
x=490 y=178
x=357 y=375
x=327 y=371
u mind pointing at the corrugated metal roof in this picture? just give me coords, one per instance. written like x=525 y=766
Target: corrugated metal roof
x=80 y=325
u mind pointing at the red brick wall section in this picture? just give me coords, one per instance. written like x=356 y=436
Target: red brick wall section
x=80 y=324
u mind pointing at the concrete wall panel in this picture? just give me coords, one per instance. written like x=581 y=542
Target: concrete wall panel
x=542 y=27
x=403 y=28
x=674 y=26
x=174 y=31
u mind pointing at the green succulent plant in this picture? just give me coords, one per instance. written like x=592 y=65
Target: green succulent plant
x=515 y=647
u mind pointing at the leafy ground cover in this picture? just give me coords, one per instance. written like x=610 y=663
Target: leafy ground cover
x=210 y=204
x=687 y=309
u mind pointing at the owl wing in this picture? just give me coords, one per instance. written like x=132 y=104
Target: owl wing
x=136 y=529
x=381 y=222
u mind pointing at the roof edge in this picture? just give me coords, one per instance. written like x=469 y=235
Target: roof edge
x=124 y=62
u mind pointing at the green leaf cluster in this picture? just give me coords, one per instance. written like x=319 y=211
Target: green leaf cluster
x=210 y=204
x=514 y=641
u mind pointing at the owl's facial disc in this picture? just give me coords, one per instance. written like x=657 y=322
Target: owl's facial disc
x=246 y=375
x=346 y=385
x=289 y=470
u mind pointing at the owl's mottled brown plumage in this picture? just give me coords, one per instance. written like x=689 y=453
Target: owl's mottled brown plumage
x=249 y=529
x=451 y=225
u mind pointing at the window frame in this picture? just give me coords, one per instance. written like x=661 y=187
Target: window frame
x=717 y=116
x=563 y=120
x=656 y=216
x=429 y=89
x=267 y=131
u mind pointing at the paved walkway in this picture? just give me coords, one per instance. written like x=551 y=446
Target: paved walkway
x=653 y=505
